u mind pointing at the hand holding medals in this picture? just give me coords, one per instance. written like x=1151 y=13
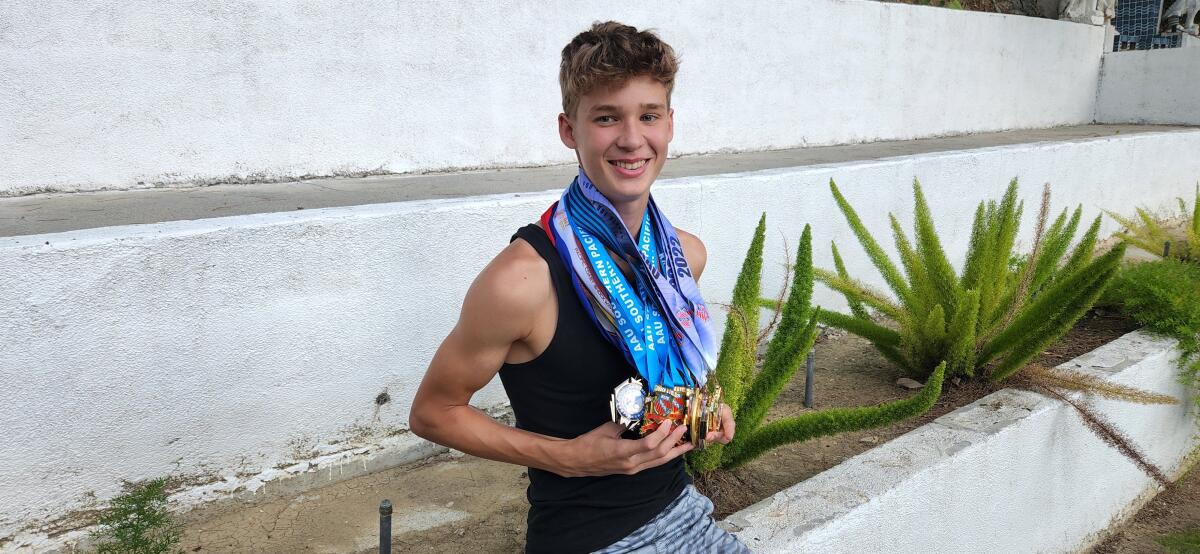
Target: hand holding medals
x=655 y=316
x=698 y=408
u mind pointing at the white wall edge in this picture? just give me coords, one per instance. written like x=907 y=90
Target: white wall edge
x=1012 y=472
x=88 y=237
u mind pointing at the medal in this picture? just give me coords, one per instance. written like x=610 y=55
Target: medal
x=628 y=403
x=699 y=408
x=651 y=310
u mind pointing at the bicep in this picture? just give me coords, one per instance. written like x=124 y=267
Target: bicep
x=495 y=314
x=694 y=251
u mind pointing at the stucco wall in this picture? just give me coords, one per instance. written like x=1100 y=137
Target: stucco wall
x=229 y=346
x=1150 y=86
x=140 y=93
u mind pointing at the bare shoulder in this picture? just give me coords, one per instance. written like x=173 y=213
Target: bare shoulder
x=509 y=292
x=694 y=251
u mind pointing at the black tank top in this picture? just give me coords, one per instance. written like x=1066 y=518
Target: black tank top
x=564 y=393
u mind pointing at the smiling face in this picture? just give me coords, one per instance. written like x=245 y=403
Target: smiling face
x=620 y=136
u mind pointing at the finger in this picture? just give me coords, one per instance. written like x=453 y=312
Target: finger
x=662 y=448
x=727 y=421
x=725 y=434
x=655 y=438
x=671 y=454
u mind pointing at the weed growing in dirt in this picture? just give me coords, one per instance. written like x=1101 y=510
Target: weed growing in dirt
x=1187 y=542
x=751 y=393
x=137 y=521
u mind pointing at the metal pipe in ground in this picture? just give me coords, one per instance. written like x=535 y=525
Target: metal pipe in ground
x=808 y=381
x=385 y=527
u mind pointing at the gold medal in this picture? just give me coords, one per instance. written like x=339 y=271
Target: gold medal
x=698 y=408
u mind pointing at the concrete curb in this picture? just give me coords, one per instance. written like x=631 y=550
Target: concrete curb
x=1013 y=472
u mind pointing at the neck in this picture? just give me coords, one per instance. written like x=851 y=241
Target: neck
x=632 y=214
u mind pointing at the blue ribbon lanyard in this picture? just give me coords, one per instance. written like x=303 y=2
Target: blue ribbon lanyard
x=642 y=327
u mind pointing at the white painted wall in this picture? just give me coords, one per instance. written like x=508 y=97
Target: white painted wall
x=1150 y=86
x=139 y=93
x=223 y=346
x=1013 y=472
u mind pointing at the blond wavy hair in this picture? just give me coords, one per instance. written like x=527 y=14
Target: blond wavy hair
x=609 y=54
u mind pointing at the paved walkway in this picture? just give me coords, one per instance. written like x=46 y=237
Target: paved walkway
x=55 y=212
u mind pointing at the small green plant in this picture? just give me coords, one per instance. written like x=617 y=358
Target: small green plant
x=1161 y=235
x=1164 y=295
x=137 y=521
x=749 y=393
x=1186 y=542
x=1001 y=311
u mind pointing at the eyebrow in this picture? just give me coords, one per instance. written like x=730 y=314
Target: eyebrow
x=611 y=108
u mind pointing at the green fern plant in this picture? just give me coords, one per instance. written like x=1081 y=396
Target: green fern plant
x=1164 y=295
x=751 y=393
x=995 y=315
x=1151 y=233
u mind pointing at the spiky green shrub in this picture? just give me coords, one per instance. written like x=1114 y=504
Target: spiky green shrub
x=137 y=521
x=1164 y=295
x=994 y=315
x=1152 y=233
x=751 y=393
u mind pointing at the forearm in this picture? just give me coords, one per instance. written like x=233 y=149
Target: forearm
x=469 y=430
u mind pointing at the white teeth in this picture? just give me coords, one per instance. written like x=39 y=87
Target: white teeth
x=631 y=166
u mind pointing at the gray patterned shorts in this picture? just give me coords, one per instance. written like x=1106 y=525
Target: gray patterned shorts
x=686 y=525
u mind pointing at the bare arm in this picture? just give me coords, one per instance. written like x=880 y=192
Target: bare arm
x=697 y=257
x=694 y=251
x=500 y=310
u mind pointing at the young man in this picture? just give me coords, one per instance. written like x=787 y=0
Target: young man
x=599 y=293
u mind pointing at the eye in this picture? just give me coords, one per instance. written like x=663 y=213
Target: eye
x=605 y=119
x=650 y=117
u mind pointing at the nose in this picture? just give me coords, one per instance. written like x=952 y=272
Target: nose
x=630 y=137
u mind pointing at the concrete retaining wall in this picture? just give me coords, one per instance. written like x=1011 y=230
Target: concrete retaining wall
x=222 y=348
x=143 y=93
x=1013 y=472
x=1150 y=86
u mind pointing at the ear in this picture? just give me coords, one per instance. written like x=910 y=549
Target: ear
x=670 y=124
x=565 y=131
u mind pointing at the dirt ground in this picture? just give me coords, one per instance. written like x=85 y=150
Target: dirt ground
x=1174 y=510
x=466 y=504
